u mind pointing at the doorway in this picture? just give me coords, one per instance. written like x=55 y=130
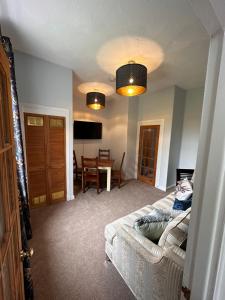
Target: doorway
x=148 y=153
x=46 y=158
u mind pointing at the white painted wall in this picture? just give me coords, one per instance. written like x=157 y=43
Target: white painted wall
x=89 y=148
x=191 y=128
x=208 y=208
x=121 y=117
x=176 y=135
x=114 y=119
x=46 y=84
x=118 y=123
x=41 y=82
x=133 y=107
x=157 y=106
x=204 y=271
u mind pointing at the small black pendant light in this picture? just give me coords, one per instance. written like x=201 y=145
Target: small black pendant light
x=131 y=79
x=95 y=100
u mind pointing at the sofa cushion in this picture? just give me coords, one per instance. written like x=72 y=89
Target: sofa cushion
x=182 y=204
x=153 y=224
x=183 y=190
x=112 y=228
x=176 y=231
x=166 y=202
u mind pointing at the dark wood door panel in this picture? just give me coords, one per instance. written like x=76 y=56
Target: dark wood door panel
x=11 y=276
x=56 y=142
x=35 y=142
x=56 y=159
x=57 y=186
x=56 y=149
x=10 y=180
x=37 y=184
x=148 y=152
x=45 y=150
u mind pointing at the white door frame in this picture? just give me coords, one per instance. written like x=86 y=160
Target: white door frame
x=52 y=111
x=204 y=270
x=159 y=122
x=220 y=278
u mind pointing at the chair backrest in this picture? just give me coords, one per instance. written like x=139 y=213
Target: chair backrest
x=104 y=154
x=91 y=163
x=121 y=165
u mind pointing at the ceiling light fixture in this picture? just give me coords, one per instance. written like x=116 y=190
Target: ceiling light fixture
x=95 y=100
x=131 y=79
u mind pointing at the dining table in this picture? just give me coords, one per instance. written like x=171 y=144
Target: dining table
x=106 y=164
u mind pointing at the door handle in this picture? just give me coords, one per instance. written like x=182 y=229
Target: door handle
x=29 y=253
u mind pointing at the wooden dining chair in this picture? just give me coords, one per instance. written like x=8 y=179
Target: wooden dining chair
x=77 y=172
x=104 y=154
x=90 y=172
x=117 y=174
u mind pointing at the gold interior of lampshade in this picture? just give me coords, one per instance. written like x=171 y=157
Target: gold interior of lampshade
x=95 y=106
x=131 y=90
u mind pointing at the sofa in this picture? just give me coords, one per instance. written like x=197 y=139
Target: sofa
x=151 y=271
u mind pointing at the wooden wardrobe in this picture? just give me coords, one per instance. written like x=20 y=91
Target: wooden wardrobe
x=46 y=158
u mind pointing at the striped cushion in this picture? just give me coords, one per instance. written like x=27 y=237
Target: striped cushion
x=112 y=228
x=165 y=203
x=176 y=231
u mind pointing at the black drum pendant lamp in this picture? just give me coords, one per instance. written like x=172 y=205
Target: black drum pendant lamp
x=131 y=79
x=95 y=100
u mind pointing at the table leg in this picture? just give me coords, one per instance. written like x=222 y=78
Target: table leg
x=108 y=179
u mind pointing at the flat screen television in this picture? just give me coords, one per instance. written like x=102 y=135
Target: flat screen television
x=87 y=130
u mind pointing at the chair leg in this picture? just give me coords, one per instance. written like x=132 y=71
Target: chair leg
x=98 y=187
x=98 y=183
x=83 y=184
x=119 y=182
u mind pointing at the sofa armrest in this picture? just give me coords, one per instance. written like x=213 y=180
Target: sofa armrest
x=152 y=252
x=169 y=271
x=150 y=271
x=175 y=254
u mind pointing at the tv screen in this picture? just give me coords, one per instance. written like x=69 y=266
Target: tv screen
x=87 y=130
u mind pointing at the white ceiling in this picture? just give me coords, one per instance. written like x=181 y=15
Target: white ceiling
x=72 y=32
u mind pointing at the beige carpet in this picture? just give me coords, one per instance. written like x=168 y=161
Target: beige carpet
x=68 y=240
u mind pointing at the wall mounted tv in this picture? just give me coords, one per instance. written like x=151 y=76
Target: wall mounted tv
x=83 y=130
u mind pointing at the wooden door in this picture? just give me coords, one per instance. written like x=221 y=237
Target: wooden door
x=56 y=165
x=148 y=152
x=45 y=153
x=35 y=135
x=11 y=276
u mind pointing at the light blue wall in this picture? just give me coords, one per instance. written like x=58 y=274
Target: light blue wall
x=181 y=111
x=133 y=105
x=191 y=128
x=43 y=83
x=176 y=135
x=157 y=106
